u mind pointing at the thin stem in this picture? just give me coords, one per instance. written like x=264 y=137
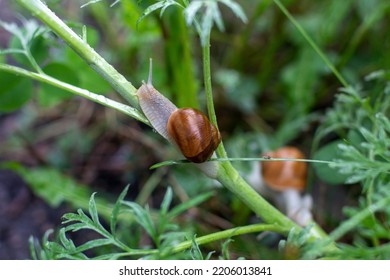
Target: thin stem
x=32 y=60
x=209 y=91
x=184 y=161
x=312 y=43
x=208 y=238
x=134 y=113
x=227 y=234
x=98 y=63
x=207 y=81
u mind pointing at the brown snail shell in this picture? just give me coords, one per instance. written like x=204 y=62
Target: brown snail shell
x=193 y=134
x=282 y=175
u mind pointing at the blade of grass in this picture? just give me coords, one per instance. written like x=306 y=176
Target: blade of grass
x=312 y=43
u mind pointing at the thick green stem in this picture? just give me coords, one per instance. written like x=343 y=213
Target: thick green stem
x=229 y=177
x=98 y=63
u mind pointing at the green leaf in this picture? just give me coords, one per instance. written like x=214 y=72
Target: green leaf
x=12 y=28
x=143 y=218
x=225 y=249
x=93 y=210
x=14 y=92
x=357 y=177
x=39 y=252
x=215 y=14
x=67 y=243
x=115 y=210
x=177 y=210
x=236 y=9
x=90 y=3
x=329 y=152
x=77 y=227
x=368 y=135
x=150 y=10
x=28 y=40
x=210 y=14
x=93 y=244
x=38 y=48
x=71 y=217
x=35 y=248
x=163 y=5
x=168 y=4
x=191 y=11
x=50 y=96
x=55 y=188
x=383 y=121
x=166 y=202
x=206 y=24
x=81 y=220
x=354 y=138
x=195 y=251
x=52 y=186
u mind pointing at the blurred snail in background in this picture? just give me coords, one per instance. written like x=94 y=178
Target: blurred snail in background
x=282 y=175
x=187 y=128
x=284 y=183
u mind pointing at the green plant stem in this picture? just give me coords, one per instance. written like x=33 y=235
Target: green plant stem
x=229 y=177
x=209 y=92
x=81 y=47
x=227 y=234
x=32 y=60
x=184 y=161
x=221 y=235
x=312 y=43
x=130 y=111
x=207 y=81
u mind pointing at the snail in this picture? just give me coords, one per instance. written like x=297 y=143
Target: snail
x=189 y=129
x=193 y=133
x=282 y=175
x=284 y=182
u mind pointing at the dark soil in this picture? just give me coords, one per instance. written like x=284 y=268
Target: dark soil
x=22 y=215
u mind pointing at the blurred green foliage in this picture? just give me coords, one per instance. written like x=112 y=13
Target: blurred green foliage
x=270 y=89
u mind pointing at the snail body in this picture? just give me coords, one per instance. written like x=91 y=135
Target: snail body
x=156 y=107
x=189 y=129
